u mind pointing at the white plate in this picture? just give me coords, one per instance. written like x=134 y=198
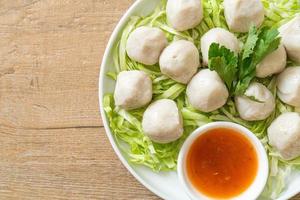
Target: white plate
x=165 y=185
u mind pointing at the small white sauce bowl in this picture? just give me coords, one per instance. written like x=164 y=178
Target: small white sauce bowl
x=257 y=186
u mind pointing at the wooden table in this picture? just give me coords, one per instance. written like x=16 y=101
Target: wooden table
x=53 y=144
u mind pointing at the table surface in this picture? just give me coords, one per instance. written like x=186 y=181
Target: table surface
x=53 y=144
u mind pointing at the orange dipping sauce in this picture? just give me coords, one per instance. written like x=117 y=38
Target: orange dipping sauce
x=222 y=163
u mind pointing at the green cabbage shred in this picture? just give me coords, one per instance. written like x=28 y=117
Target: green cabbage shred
x=126 y=125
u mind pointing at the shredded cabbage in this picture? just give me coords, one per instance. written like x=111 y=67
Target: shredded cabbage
x=126 y=125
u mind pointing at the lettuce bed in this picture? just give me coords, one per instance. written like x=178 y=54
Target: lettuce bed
x=126 y=125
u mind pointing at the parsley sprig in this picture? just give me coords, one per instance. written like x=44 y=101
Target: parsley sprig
x=238 y=71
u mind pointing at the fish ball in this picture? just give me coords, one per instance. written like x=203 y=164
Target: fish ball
x=273 y=63
x=241 y=14
x=206 y=91
x=284 y=135
x=145 y=44
x=290 y=37
x=220 y=36
x=184 y=14
x=133 y=89
x=288 y=85
x=162 y=121
x=180 y=61
x=256 y=104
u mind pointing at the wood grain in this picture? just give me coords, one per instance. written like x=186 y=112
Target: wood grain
x=53 y=145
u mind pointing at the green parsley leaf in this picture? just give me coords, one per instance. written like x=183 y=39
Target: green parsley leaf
x=242 y=85
x=250 y=43
x=267 y=43
x=224 y=62
x=258 y=45
x=246 y=71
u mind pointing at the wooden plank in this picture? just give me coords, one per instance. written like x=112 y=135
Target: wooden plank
x=75 y=163
x=50 y=53
x=53 y=145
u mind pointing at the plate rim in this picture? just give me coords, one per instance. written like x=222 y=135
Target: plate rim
x=110 y=44
x=108 y=132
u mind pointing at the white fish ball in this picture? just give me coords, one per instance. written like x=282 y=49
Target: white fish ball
x=206 y=91
x=288 y=85
x=184 y=14
x=162 y=121
x=256 y=104
x=145 y=44
x=180 y=61
x=284 y=135
x=221 y=37
x=290 y=37
x=133 y=89
x=273 y=63
x=241 y=14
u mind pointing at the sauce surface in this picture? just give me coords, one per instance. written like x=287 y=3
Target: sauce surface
x=222 y=163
